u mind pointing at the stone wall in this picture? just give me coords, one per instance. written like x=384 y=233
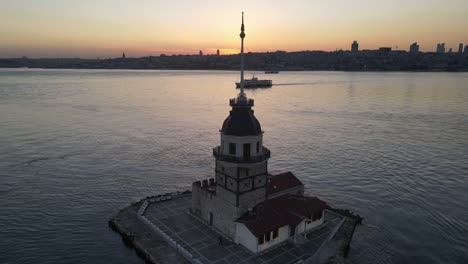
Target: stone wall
x=251 y=199
x=206 y=203
x=245 y=180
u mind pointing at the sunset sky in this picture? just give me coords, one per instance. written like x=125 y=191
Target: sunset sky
x=106 y=28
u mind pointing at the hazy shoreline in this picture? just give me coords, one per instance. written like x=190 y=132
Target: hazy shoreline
x=360 y=61
x=221 y=70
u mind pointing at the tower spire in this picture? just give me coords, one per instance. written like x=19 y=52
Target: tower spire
x=242 y=36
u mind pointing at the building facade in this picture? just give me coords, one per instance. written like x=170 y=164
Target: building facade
x=414 y=48
x=355 y=46
x=440 y=48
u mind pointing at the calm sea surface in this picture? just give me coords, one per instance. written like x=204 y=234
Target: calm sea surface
x=77 y=145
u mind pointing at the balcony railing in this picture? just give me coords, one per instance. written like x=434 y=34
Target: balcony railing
x=263 y=155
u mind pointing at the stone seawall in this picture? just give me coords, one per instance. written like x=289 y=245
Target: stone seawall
x=147 y=244
x=344 y=236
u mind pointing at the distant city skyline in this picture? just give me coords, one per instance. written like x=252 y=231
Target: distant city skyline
x=107 y=28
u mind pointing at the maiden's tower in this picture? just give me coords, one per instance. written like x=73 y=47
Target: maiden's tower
x=243 y=201
x=243 y=214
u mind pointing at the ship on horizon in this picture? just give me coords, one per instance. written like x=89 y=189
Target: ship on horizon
x=254 y=82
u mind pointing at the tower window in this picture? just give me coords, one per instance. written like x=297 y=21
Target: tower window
x=258 y=146
x=232 y=148
x=247 y=151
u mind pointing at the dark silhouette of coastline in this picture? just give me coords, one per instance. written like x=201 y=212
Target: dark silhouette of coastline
x=366 y=60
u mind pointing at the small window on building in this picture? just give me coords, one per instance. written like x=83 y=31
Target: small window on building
x=267 y=236
x=260 y=240
x=232 y=148
x=258 y=146
x=275 y=233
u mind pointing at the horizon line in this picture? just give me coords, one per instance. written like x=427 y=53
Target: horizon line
x=212 y=54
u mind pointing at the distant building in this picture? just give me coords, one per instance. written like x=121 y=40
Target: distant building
x=200 y=53
x=217 y=52
x=450 y=50
x=414 y=48
x=355 y=46
x=385 y=49
x=466 y=49
x=440 y=48
x=460 y=48
x=123 y=55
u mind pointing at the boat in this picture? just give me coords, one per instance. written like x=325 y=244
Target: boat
x=271 y=72
x=255 y=83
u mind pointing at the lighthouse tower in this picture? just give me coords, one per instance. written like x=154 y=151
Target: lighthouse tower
x=241 y=166
x=241 y=159
x=243 y=201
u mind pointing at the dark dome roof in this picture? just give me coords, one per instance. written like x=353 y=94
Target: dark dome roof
x=241 y=122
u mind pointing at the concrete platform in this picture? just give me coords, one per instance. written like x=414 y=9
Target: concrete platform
x=200 y=244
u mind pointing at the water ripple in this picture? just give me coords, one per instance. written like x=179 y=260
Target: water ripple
x=77 y=145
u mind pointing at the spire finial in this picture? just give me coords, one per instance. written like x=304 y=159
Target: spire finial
x=242 y=36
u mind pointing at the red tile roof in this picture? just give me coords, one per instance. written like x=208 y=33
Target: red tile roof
x=281 y=182
x=281 y=211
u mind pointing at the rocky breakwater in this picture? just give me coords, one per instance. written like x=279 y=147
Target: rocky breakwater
x=344 y=235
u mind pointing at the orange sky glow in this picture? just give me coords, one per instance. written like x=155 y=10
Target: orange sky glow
x=106 y=28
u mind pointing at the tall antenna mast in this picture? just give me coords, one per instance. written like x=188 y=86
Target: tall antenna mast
x=242 y=36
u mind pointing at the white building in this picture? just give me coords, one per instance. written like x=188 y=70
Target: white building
x=277 y=220
x=244 y=202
